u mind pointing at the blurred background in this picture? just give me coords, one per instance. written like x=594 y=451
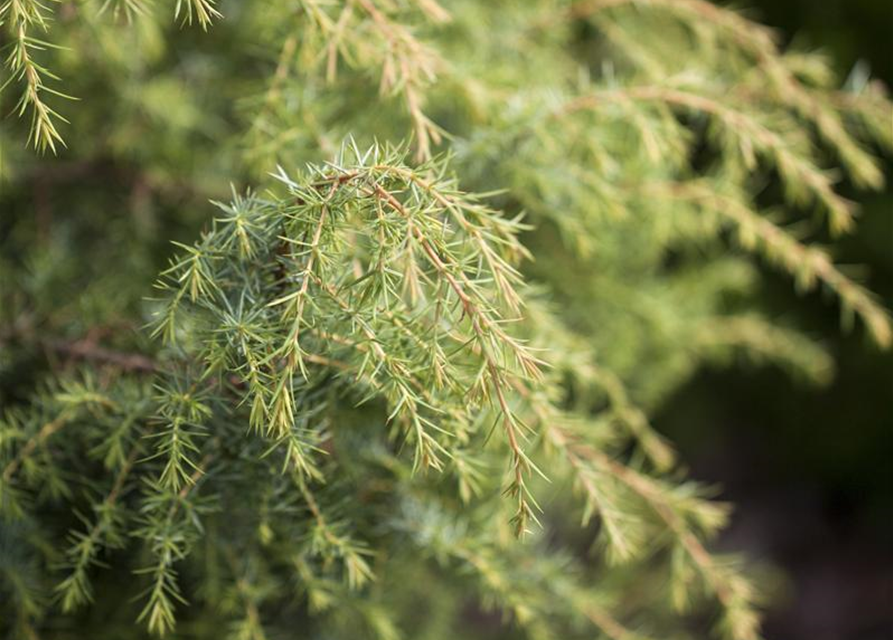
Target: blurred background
x=809 y=469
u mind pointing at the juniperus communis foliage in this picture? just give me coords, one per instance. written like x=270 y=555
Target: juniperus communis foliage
x=467 y=249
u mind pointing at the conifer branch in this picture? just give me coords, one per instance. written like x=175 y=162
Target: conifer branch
x=38 y=439
x=752 y=137
x=21 y=18
x=313 y=212
x=168 y=544
x=809 y=265
x=408 y=66
x=75 y=589
x=766 y=342
x=761 y=43
x=740 y=620
x=203 y=11
x=654 y=445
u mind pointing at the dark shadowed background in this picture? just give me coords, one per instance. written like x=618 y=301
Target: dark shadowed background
x=810 y=469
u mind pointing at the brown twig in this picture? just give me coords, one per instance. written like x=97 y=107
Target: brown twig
x=88 y=350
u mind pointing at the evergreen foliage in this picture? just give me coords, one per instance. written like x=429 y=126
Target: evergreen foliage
x=469 y=249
